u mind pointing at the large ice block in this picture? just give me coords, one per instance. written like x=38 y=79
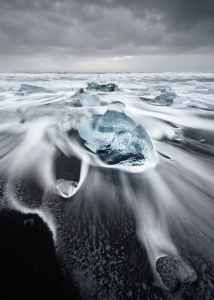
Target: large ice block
x=110 y=87
x=133 y=148
x=97 y=141
x=33 y=89
x=116 y=137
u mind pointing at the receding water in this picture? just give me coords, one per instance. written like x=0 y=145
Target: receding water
x=110 y=232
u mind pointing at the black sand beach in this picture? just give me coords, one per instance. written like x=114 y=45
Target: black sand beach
x=29 y=267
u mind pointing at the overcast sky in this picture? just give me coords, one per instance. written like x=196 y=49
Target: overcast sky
x=107 y=35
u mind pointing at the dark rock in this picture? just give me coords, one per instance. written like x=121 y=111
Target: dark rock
x=173 y=272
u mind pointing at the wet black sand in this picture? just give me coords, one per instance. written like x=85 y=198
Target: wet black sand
x=29 y=268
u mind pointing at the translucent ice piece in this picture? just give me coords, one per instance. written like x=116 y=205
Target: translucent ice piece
x=2 y=90
x=110 y=87
x=211 y=91
x=159 y=88
x=66 y=188
x=165 y=98
x=116 y=136
x=89 y=100
x=86 y=99
x=201 y=87
x=96 y=141
x=117 y=106
x=115 y=120
x=33 y=89
x=133 y=148
x=99 y=131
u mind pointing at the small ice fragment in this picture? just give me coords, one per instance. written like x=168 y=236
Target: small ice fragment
x=81 y=91
x=89 y=100
x=33 y=89
x=110 y=87
x=78 y=93
x=31 y=221
x=201 y=87
x=66 y=188
x=165 y=98
x=12 y=90
x=86 y=99
x=2 y=90
x=117 y=106
x=211 y=91
x=202 y=141
x=159 y=88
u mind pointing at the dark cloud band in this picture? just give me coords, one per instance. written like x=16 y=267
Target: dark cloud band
x=103 y=28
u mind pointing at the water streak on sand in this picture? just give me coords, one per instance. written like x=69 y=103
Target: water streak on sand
x=171 y=200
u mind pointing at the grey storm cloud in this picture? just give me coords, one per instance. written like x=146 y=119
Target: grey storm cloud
x=100 y=28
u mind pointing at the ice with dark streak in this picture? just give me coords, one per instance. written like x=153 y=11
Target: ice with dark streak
x=110 y=87
x=99 y=132
x=159 y=88
x=86 y=99
x=131 y=148
x=165 y=98
x=31 y=89
x=115 y=135
x=201 y=87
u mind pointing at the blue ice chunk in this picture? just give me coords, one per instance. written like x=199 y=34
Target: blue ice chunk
x=89 y=100
x=116 y=136
x=110 y=87
x=165 y=98
x=2 y=90
x=116 y=106
x=99 y=132
x=97 y=141
x=133 y=148
x=86 y=99
x=115 y=120
x=33 y=89
x=211 y=91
